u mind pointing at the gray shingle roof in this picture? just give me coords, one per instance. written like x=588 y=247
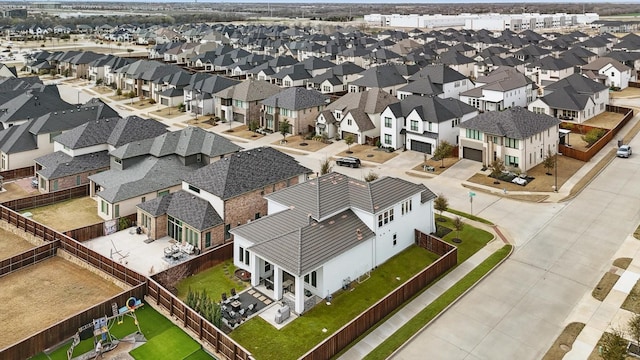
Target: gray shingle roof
x=566 y=98
x=249 y=90
x=578 y=83
x=515 y=123
x=296 y=98
x=245 y=171
x=186 y=142
x=59 y=164
x=432 y=109
x=380 y=77
x=113 y=131
x=190 y=209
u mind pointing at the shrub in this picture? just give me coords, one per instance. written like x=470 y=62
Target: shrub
x=371 y=176
x=592 y=136
x=152 y=101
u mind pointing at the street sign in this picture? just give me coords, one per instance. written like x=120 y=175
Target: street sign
x=472 y=194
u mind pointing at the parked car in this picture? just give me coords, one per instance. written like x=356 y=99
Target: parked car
x=519 y=181
x=624 y=151
x=348 y=161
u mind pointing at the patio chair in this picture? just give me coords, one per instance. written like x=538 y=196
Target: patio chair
x=252 y=306
x=234 y=295
x=224 y=299
x=232 y=314
x=241 y=312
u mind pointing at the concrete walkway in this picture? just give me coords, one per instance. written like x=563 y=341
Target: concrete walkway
x=606 y=315
x=410 y=310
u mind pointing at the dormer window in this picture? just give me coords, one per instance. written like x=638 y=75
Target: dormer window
x=117 y=160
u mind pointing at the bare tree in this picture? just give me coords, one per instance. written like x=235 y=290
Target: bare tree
x=549 y=162
x=371 y=176
x=458 y=224
x=613 y=345
x=443 y=150
x=349 y=139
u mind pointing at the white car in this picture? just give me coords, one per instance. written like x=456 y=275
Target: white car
x=624 y=151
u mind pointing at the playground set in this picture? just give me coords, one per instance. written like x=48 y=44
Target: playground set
x=100 y=330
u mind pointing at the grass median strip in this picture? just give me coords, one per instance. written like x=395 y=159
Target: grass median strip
x=437 y=306
x=469 y=216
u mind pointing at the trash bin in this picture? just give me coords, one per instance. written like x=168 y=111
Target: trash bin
x=619 y=142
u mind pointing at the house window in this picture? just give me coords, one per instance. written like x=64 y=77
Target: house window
x=511 y=160
x=194 y=189
x=406 y=206
x=54 y=134
x=267 y=266
x=227 y=234
x=287 y=83
x=326 y=88
x=198 y=157
x=474 y=134
x=430 y=126
x=116 y=210
x=117 y=160
x=55 y=185
x=311 y=279
x=163 y=193
x=538 y=110
x=246 y=257
x=77 y=179
x=143 y=199
x=385 y=218
x=104 y=207
x=395 y=239
x=387 y=139
x=511 y=143
x=207 y=239
x=349 y=122
x=257 y=216
x=414 y=125
x=241 y=254
x=387 y=122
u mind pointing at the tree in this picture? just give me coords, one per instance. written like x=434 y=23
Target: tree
x=613 y=345
x=253 y=125
x=371 y=176
x=443 y=150
x=325 y=167
x=285 y=127
x=458 y=224
x=349 y=139
x=441 y=204
x=592 y=136
x=549 y=162
x=119 y=92
x=497 y=167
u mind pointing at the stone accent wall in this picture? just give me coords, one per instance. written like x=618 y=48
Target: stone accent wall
x=34 y=240
x=87 y=266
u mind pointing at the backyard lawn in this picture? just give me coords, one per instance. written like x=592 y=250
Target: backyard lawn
x=214 y=281
x=473 y=239
x=265 y=342
x=68 y=215
x=163 y=337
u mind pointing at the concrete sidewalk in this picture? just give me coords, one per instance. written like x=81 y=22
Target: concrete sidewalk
x=410 y=310
x=606 y=315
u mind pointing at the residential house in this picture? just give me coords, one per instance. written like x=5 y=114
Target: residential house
x=450 y=81
x=298 y=106
x=384 y=77
x=517 y=136
x=609 y=72
x=361 y=114
x=304 y=250
x=242 y=102
x=220 y=196
x=548 y=70
x=199 y=97
x=84 y=150
x=503 y=88
x=20 y=144
x=146 y=169
x=20 y=106
x=575 y=98
x=420 y=123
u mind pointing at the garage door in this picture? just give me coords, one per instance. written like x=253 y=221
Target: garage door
x=420 y=146
x=472 y=154
x=346 y=133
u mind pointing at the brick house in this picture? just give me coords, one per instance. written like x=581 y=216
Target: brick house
x=224 y=194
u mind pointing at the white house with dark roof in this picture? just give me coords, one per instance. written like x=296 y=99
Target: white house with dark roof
x=451 y=82
x=609 y=72
x=419 y=123
x=503 y=88
x=305 y=248
x=517 y=136
x=575 y=98
x=143 y=170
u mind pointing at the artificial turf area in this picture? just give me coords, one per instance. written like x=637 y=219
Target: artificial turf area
x=164 y=339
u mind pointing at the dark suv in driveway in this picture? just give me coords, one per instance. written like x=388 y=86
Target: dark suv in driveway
x=348 y=161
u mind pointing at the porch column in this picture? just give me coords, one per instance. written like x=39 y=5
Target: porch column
x=299 y=285
x=277 y=283
x=255 y=272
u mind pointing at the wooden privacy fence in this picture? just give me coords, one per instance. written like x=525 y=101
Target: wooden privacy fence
x=17 y=173
x=206 y=331
x=603 y=141
x=361 y=324
x=47 y=198
x=66 y=328
x=96 y=230
x=29 y=257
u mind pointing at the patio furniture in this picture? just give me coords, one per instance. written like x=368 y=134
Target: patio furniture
x=168 y=251
x=282 y=314
x=236 y=305
x=251 y=307
x=286 y=285
x=234 y=295
x=224 y=298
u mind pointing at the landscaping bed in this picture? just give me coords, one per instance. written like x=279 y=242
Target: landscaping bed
x=564 y=342
x=214 y=281
x=368 y=153
x=299 y=142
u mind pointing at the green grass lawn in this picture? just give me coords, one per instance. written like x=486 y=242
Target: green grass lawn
x=473 y=239
x=153 y=325
x=437 y=306
x=265 y=342
x=214 y=281
x=469 y=216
